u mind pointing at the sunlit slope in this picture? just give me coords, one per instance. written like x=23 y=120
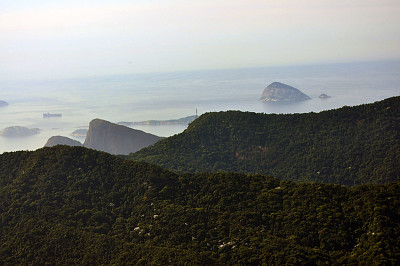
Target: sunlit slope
x=71 y=205
x=350 y=145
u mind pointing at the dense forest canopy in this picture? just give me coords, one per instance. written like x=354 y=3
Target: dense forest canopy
x=350 y=145
x=72 y=205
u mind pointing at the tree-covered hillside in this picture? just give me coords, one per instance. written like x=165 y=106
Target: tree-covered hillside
x=350 y=145
x=72 y=205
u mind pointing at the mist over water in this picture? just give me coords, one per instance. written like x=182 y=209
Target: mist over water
x=176 y=95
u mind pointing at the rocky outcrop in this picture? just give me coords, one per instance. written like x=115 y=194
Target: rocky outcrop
x=17 y=131
x=116 y=139
x=60 y=140
x=279 y=92
x=3 y=103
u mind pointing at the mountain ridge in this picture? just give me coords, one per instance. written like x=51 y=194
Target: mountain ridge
x=349 y=145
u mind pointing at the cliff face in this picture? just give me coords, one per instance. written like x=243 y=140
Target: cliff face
x=59 y=140
x=276 y=92
x=116 y=139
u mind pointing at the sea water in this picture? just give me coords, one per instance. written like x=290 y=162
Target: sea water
x=163 y=96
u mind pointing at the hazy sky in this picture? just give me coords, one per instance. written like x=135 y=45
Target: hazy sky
x=48 y=39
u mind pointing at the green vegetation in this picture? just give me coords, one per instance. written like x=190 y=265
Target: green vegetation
x=71 y=205
x=349 y=146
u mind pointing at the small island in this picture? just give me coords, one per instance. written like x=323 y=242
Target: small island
x=279 y=92
x=3 y=103
x=324 y=96
x=80 y=133
x=18 y=132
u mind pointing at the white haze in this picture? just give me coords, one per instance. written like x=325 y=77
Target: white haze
x=66 y=39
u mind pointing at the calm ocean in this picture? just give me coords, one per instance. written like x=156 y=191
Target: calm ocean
x=175 y=95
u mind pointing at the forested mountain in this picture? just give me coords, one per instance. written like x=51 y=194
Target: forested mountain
x=72 y=205
x=350 y=145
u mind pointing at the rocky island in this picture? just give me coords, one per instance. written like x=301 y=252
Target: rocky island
x=3 y=103
x=279 y=92
x=17 y=131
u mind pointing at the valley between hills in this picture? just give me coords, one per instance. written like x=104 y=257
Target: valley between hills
x=233 y=188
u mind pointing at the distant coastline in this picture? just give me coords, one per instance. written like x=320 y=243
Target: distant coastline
x=173 y=95
x=180 y=121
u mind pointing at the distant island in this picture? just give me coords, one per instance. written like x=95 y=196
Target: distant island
x=81 y=133
x=17 y=131
x=324 y=96
x=180 y=121
x=3 y=103
x=279 y=92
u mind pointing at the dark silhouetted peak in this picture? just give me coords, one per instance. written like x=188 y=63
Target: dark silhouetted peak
x=116 y=139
